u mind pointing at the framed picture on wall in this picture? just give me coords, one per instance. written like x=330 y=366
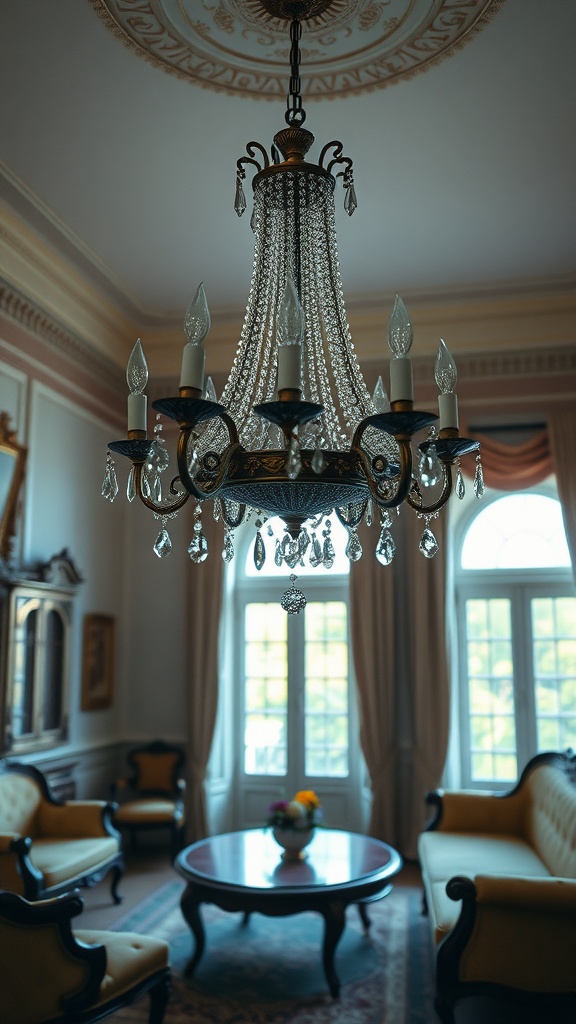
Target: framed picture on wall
x=97 y=662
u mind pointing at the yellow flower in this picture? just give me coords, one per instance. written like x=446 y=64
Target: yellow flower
x=308 y=798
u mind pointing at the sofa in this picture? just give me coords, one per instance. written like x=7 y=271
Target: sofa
x=48 y=847
x=499 y=878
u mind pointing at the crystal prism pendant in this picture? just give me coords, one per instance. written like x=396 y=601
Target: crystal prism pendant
x=385 y=519
x=318 y=462
x=369 y=514
x=163 y=544
x=239 y=198
x=293 y=460
x=278 y=556
x=380 y=399
x=328 y=553
x=198 y=547
x=110 y=483
x=459 y=487
x=228 y=549
x=160 y=456
x=315 y=558
x=428 y=545
x=293 y=600
x=353 y=547
x=386 y=548
x=478 y=479
x=292 y=556
x=350 y=201
x=259 y=552
x=194 y=464
x=430 y=470
x=210 y=391
x=303 y=543
x=131 y=485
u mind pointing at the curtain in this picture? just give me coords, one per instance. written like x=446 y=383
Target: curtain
x=399 y=650
x=427 y=681
x=204 y=602
x=562 y=430
x=372 y=622
x=511 y=467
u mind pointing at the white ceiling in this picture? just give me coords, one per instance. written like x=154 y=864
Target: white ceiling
x=465 y=173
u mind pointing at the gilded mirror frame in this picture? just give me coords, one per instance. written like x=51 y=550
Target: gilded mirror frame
x=12 y=468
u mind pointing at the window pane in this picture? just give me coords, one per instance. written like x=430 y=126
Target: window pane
x=24 y=668
x=492 y=730
x=554 y=656
x=518 y=531
x=54 y=678
x=326 y=689
x=266 y=690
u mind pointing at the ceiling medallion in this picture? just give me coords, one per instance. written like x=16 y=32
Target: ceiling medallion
x=352 y=46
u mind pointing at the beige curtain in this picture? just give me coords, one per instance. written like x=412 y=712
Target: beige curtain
x=399 y=650
x=372 y=630
x=562 y=431
x=204 y=601
x=427 y=681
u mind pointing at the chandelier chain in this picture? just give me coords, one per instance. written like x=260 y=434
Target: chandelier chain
x=295 y=113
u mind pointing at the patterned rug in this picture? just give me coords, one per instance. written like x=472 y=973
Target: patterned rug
x=269 y=971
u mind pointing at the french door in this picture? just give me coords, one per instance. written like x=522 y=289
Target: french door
x=296 y=713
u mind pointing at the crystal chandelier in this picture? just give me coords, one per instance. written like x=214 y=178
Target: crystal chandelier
x=296 y=433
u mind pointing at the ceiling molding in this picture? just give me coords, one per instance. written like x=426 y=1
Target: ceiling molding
x=356 y=46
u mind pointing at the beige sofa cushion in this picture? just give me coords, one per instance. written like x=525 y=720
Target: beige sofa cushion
x=62 y=860
x=135 y=812
x=443 y=855
x=19 y=801
x=550 y=825
x=129 y=958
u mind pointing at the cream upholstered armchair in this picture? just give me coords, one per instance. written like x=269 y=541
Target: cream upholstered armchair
x=48 y=847
x=152 y=796
x=53 y=974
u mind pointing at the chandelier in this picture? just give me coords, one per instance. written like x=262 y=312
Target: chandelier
x=296 y=433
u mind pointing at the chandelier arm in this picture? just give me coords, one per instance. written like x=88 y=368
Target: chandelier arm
x=220 y=478
x=428 y=510
x=404 y=476
x=160 y=509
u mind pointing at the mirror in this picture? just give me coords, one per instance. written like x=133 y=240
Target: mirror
x=12 y=463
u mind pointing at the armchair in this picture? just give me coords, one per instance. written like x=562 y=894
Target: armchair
x=152 y=797
x=48 y=847
x=52 y=974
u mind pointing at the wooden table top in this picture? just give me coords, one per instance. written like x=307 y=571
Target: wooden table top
x=252 y=860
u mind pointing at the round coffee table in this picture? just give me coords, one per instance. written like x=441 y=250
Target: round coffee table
x=244 y=871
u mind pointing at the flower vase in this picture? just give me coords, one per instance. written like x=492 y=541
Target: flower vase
x=293 y=841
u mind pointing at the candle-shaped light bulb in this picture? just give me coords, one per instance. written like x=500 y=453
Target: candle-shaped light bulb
x=137 y=378
x=196 y=327
x=400 y=340
x=399 y=329
x=290 y=324
x=445 y=375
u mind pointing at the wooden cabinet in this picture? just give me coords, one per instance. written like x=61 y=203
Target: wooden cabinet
x=38 y=635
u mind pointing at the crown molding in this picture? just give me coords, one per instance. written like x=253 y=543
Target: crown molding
x=516 y=317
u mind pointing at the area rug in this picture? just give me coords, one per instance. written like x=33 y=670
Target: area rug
x=269 y=970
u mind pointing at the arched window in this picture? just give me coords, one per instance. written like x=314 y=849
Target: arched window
x=516 y=608
x=296 y=719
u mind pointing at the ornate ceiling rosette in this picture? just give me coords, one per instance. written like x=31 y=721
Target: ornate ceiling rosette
x=353 y=46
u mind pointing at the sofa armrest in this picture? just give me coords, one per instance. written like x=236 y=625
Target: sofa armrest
x=37 y=945
x=76 y=819
x=515 y=932
x=471 y=811
x=6 y=840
